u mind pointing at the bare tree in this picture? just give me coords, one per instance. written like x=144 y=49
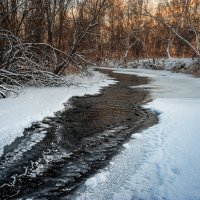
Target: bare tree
x=196 y=51
x=41 y=39
x=28 y=35
x=89 y=15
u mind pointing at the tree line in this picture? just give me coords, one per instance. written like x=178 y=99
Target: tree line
x=41 y=39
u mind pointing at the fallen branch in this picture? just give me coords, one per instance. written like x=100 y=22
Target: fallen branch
x=32 y=64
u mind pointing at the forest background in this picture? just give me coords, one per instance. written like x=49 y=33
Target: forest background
x=43 y=39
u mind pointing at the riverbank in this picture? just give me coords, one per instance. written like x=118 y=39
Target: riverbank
x=176 y=65
x=34 y=103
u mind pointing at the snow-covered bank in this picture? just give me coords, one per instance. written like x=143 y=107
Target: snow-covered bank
x=33 y=104
x=163 y=63
x=162 y=162
x=184 y=65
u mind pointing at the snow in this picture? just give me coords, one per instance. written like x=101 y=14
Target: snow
x=99 y=178
x=161 y=162
x=34 y=104
x=166 y=63
x=185 y=65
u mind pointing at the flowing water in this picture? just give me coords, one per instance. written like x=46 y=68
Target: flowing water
x=56 y=155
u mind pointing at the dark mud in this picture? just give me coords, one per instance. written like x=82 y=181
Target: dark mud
x=50 y=162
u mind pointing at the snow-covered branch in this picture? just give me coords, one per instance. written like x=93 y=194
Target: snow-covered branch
x=27 y=64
